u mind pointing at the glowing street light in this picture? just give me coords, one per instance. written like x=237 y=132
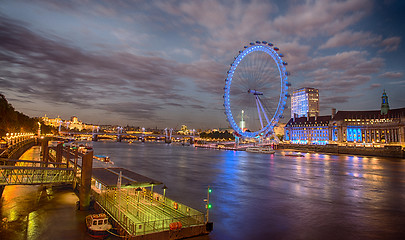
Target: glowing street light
x=164 y=195
x=39 y=129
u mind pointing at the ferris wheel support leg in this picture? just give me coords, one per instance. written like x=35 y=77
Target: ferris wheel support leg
x=258 y=110
x=264 y=113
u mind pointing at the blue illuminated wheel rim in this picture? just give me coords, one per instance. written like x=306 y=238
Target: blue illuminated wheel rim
x=257 y=83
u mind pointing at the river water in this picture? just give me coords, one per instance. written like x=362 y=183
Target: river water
x=254 y=196
x=260 y=196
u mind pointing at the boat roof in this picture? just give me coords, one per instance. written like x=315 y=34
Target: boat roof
x=109 y=178
x=98 y=216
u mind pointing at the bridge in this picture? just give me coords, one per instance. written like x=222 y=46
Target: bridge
x=26 y=175
x=167 y=136
x=127 y=197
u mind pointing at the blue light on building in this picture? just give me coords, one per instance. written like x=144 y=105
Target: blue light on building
x=353 y=134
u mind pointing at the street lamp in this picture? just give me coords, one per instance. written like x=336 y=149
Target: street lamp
x=138 y=189
x=39 y=129
x=164 y=195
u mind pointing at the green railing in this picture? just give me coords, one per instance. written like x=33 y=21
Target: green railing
x=140 y=212
x=17 y=175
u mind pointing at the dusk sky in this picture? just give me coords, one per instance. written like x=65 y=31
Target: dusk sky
x=163 y=63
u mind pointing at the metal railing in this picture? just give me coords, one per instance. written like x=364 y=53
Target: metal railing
x=13 y=149
x=17 y=175
x=142 y=213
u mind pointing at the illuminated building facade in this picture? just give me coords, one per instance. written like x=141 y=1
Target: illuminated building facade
x=348 y=127
x=305 y=102
x=54 y=122
x=369 y=126
x=74 y=123
x=385 y=126
x=308 y=130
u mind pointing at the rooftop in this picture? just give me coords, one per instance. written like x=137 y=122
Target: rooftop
x=109 y=178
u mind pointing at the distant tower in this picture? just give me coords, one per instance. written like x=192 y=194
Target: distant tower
x=242 y=122
x=305 y=103
x=384 y=104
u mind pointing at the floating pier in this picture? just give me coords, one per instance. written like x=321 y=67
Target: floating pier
x=140 y=213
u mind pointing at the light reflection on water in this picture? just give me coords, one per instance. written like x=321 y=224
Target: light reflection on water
x=257 y=196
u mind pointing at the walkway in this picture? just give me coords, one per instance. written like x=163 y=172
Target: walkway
x=30 y=172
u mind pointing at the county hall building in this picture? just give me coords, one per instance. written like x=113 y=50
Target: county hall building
x=384 y=126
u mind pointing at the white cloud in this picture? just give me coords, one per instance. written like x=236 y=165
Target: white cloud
x=321 y=17
x=183 y=51
x=391 y=44
x=349 y=38
x=391 y=75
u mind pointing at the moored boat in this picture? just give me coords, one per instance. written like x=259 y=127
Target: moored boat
x=97 y=225
x=103 y=158
x=84 y=149
x=267 y=150
x=294 y=155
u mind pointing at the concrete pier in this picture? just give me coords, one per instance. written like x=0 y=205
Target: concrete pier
x=85 y=184
x=59 y=150
x=45 y=151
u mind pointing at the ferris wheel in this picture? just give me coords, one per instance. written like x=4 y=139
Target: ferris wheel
x=256 y=90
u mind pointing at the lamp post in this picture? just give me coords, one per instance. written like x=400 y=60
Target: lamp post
x=164 y=195
x=138 y=189
x=208 y=205
x=39 y=129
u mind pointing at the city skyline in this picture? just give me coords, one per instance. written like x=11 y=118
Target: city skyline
x=163 y=63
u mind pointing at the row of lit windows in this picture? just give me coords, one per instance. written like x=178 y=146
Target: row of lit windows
x=369 y=120
x=309 y=125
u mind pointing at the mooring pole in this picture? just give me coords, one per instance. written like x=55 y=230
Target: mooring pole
x=85 y=186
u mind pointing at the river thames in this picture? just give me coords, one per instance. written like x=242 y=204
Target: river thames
x=261 y=196
x=254 y=196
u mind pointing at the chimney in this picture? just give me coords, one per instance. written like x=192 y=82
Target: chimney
x=333 y=113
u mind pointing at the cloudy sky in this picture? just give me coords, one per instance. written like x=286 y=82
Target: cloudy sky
x=163 y=63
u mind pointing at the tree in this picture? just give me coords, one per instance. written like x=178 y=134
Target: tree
x=12 y=121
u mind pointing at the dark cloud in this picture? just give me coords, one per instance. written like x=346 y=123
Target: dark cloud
x=314 y=18
x=59 y=73
x=335 y=99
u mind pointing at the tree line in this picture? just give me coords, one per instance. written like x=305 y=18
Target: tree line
x=217 y=135
x=12 y=121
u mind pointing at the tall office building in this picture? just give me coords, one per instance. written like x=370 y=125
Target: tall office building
x=305 y=102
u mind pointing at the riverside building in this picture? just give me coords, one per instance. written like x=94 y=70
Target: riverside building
x=384 y=126
x=305 y=102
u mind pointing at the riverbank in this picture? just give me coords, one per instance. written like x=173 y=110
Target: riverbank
x=39 y=212
x=386 y=151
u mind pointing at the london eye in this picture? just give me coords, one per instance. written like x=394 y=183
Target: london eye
x=256 y=90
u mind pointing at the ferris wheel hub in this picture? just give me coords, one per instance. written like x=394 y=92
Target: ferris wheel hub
x=254 y=92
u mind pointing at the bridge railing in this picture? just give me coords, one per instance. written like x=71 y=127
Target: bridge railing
x=12 y=150
x=17 y=175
